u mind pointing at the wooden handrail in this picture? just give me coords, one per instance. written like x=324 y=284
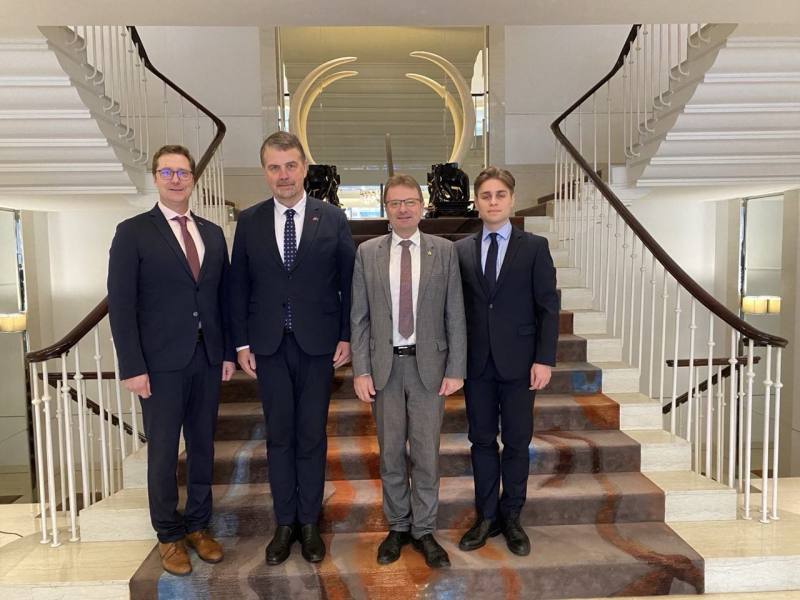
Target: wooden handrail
x=101 y=310
x=741 y=361
x=715 y=362
x=95 y=408
x=722 y=312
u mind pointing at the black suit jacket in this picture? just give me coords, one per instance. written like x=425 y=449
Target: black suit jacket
x=318 y=284
x=519 y=321
x=154 y=304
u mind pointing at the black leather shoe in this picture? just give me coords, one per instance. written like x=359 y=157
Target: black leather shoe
x=516 y=538
x=477 y=535
x=389 y=550
x=313 y=547
x=281 y=545
x=435 y=555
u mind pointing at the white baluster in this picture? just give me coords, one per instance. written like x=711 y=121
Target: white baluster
x=616 y=275
x=741 y=430
x=642 y=271
x=633 y=298
x=776 y=444
x=664 y=298
x=36 y=403
x=748 y=429
x=82 y=433
x=732 y=364
x=720 y=422
x=104 y=476
x=624 y=284
x=123 y=448
x=62 y=476
x=91 y=442
x=49 y=451
x=710 y=391
x=166 y=122
x=765 y=446
x=65 y=400
x=692 y=329
x=675 y=359
x=651 y=365
x=134 y=423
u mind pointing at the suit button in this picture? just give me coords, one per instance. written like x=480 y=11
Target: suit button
x=194 y=314
x=491 y=306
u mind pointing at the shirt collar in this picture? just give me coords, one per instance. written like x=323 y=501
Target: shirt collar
x=415 y=239
x=299 y=208
x=170 y=214
x=503 y=233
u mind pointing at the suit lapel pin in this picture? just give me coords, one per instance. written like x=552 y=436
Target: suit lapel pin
x=430 y=252
x=315 y=218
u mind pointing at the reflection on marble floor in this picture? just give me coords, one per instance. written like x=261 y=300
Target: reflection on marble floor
x=101 y=570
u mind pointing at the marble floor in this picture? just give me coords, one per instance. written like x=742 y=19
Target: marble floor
x=738 y=554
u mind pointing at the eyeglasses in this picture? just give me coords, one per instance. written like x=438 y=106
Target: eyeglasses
x=166 y=174
x=408 y=203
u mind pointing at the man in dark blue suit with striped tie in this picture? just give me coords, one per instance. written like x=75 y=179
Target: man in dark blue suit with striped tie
x=291 y=272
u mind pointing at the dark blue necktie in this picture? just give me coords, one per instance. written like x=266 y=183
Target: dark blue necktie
x=289 y=256
x=490 y=270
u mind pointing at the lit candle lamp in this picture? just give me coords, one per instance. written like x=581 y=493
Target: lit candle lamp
x=12 y=322
x=774 y=305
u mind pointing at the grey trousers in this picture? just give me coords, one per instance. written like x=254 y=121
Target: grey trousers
x=405 y=411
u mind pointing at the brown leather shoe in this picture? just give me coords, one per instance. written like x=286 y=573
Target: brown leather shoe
x=206 y=547
x=174 y=558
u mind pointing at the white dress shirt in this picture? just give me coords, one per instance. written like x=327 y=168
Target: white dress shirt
x=280 y=221
x=503 y=235
x=395 y=253
x=170 y=214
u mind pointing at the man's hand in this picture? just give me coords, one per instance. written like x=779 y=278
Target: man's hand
x=540 y=376
x=365 y=390
x=228 y=369
x=342 y=355
x=139 y=385
x=450 y=385
x=247 y=361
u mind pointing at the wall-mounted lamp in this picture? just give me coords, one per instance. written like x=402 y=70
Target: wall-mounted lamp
x=13 y=322
x=761 y=305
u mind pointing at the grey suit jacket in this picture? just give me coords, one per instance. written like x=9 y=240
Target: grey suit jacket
x=440 y=324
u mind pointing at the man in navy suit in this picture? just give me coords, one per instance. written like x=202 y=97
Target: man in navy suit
x=291 y=271
x=167 y=303
x=512 y=332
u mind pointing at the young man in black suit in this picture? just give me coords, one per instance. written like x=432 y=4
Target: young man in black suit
x=291 y=272
x=512 y=331
x=167 y=303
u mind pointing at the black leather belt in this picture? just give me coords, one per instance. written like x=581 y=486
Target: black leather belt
x=406 y=350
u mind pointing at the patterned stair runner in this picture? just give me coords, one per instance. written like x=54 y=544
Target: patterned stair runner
x=596 y=523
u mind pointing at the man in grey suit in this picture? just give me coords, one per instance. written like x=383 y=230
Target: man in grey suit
x=409 y=345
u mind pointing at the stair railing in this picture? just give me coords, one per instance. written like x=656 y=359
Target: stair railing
x=79 y=453
x=646 y=299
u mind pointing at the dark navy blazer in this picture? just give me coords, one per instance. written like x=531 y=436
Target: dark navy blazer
x=155 y=306
x=318 y=285
x=519 y=321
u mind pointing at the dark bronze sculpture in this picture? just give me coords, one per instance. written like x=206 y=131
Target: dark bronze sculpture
x=448 y=187
x=322 y=182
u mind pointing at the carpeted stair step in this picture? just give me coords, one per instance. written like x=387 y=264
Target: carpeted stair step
x=351 y=417
x=556 y=452
x=567 y=561
x=569 y=377
x=353 y=506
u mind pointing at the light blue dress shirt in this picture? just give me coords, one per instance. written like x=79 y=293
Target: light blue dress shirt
x=502 y=245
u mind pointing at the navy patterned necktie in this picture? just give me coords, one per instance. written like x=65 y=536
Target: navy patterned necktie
x=289 y=256
x=490 y=270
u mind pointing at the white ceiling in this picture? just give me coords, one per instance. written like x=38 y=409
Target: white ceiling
x=410 y=12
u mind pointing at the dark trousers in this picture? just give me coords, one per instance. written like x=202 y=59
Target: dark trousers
x=187 y=399
x=493 y=401
x=295 y=392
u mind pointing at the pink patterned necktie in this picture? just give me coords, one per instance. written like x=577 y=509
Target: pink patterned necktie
x=191 y=250
x=405 y=325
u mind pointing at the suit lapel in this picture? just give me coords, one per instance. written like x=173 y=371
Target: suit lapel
x=165 y=230
x=513 y=246
x=426 y=258
x=208 y=242
x=382 y=254
x=266 y=226
x=310 y=228
x=476 y=258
